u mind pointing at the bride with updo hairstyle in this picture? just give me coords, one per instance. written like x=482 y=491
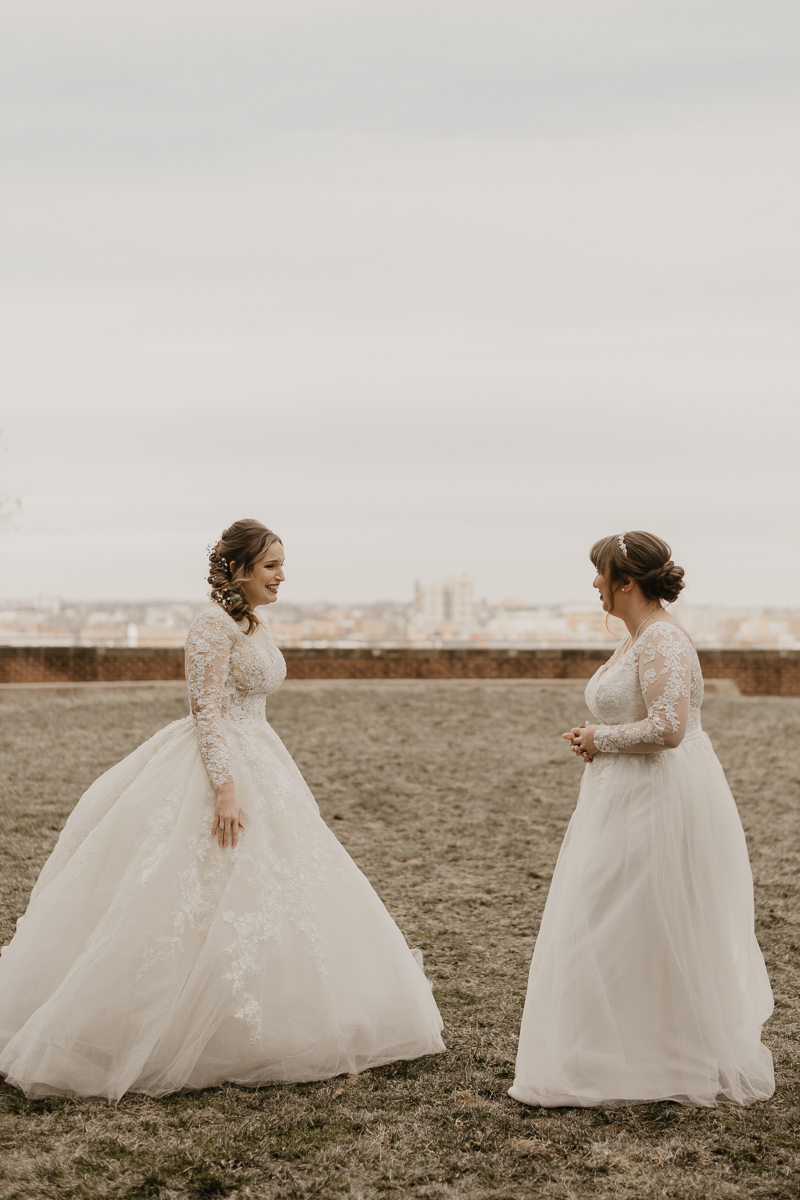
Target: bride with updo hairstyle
x=197 y=922
x=647 y=982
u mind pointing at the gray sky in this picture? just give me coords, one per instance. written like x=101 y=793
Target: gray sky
x=428 y=287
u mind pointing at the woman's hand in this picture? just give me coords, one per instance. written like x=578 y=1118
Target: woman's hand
x=581 y=740
x=227 y=816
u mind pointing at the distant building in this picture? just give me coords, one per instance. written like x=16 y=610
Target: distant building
x=447 y=606
x=562 y=625
x=441 y=613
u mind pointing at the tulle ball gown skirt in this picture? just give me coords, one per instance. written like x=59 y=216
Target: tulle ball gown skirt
x=647 y=982
x=150 y=959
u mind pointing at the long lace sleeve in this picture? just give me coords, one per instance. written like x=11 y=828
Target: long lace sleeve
x=665 y=679
x=208 y=651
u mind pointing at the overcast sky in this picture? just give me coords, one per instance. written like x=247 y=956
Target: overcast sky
x=428 y=287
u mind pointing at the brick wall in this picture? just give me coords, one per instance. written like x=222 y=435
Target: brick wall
x=443 y=664
x=756 y=672
x=87 y=664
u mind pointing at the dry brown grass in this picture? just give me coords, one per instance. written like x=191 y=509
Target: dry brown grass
x=453 y=798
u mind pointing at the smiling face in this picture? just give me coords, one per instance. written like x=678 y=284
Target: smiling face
x=267 y=577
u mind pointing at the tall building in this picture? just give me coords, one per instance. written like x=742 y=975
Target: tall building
x=458 y=598
x=447 y=603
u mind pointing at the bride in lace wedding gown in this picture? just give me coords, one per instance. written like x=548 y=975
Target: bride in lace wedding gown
x=647 y=982
x=157 y=953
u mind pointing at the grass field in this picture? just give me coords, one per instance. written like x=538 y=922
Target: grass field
x=453 y=798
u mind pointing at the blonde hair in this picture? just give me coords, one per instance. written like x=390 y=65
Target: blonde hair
x=242 y=545
x=648 y=560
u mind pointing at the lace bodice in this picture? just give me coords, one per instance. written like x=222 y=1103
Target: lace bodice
x=228 y=675
x=648 y=695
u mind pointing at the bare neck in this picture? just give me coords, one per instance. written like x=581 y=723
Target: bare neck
x=639 y=614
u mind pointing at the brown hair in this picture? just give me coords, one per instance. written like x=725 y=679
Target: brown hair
x=243 y=544
x=648 y=561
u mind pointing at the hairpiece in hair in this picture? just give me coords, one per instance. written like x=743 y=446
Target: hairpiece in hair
x=622 y=546
x=220 y=559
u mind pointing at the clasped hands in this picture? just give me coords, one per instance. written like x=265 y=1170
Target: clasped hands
x=581 y=740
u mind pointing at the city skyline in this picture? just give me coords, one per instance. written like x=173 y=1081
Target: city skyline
x=443 y=613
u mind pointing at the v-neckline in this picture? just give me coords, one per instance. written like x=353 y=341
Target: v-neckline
x=622 y=652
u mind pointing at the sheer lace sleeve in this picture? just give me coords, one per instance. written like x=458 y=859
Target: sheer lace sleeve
x=665 y=679
x=208 y=651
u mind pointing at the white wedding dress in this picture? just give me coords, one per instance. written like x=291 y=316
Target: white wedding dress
x=150 y=959
x=647 y=982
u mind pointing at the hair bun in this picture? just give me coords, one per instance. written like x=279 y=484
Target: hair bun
x=667 y=582
x=642 y=556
